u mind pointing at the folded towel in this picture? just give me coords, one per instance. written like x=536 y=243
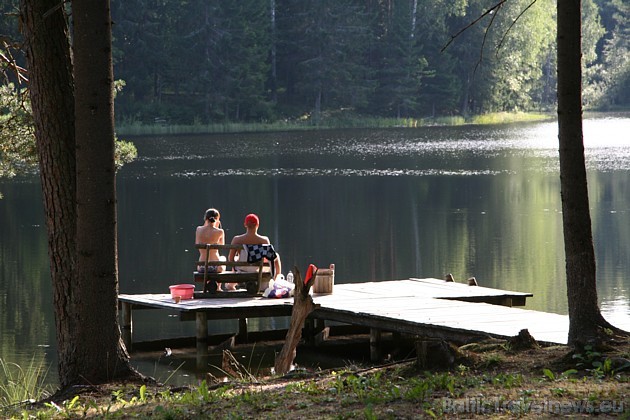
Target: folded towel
x=256 y=253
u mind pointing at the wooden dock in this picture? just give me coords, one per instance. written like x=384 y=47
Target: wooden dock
x=429 y=308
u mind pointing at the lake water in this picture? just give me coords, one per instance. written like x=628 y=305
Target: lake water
x=381 y=204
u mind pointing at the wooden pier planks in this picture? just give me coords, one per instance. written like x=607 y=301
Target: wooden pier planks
x=416 y=306
x=405 y=310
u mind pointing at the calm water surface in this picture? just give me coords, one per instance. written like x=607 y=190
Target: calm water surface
x=380 y=204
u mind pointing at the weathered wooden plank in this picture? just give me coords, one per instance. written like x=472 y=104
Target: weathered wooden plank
x=444 y=285
x=429 y=288
x=461 y=315
x=423 y=307
x=398 y=325
x=165 y=301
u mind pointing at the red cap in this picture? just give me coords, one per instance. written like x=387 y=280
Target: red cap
x=251 y=220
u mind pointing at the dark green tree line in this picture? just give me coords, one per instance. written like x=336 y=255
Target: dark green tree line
x=193 y=61
x=399 y=61
x=325 y=44
x=611 y=73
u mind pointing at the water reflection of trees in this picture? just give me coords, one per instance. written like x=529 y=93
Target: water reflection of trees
x=26 y=323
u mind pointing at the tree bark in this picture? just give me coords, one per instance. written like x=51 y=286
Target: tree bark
x=303 y=305
x=274 y=73
x=84 y=287
x=51 y=88
x=102 y=355
x=585 y=319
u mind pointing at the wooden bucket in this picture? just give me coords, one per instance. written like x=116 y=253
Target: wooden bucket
x=324 y=280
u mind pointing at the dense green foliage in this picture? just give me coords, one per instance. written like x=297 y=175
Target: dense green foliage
x=200 y=62
x=17 y=137
x=610 y=86
x=197 y=62
x=18 y=152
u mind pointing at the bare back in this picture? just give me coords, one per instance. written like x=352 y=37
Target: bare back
x=208 y=234
x=251 y=237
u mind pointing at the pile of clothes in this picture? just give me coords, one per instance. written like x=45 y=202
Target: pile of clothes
x=284 y=288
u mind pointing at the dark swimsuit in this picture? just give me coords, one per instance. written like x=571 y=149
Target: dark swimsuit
x=211 y=269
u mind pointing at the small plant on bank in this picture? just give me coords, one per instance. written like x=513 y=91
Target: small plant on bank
x=442 y=382
x=418 y=390
x=492 y=360
x=309 y=387
x=549 y=375
x=508 y=380
x=18 y=385
x=594 y=362
x=558 y=392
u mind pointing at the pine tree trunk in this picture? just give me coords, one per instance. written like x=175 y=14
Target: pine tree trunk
x=317 y=112
x=50 y=82
x=274 y=72
x=585 y=318
x=102 y=355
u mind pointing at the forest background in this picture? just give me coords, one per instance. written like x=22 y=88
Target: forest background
x=198 y=62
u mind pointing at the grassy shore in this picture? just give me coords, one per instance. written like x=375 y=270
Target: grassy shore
x=329 y=122
x=489 y=379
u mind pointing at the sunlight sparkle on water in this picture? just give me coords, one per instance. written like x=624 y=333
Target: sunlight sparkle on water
x=617 y=310
x=389 y=172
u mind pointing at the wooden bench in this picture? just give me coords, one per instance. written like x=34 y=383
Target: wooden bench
x=211 y=280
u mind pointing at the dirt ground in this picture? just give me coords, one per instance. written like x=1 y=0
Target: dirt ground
x=494 y=379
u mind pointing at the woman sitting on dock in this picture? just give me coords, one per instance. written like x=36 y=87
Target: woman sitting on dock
x=210 y=233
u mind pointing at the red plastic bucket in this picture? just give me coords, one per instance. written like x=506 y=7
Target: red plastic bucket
x=184 y=291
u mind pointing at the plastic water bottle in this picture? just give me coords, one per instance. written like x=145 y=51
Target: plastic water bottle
x=290 y=277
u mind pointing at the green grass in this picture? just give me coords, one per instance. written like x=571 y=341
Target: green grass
x=508 y=117
x=18 y=384
x=401 y=390
x=137 y=128
x=333 y=121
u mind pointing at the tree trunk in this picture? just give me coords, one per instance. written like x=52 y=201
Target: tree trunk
x=585 y=319
x=50 y=81
x=303 y=305
x=414 y=12
x=274 y=73
x=102 y=355
x=317 y=112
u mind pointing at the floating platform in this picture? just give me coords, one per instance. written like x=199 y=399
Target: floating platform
x=429 y=308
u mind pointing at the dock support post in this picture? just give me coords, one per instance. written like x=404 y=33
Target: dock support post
x=127 y=325
x=320 y=332
x=320 y=324
x=308 y=331
x=242 y=330
x=201 y=319
x=421 y=354
x=434 y=353
x=375 y=344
